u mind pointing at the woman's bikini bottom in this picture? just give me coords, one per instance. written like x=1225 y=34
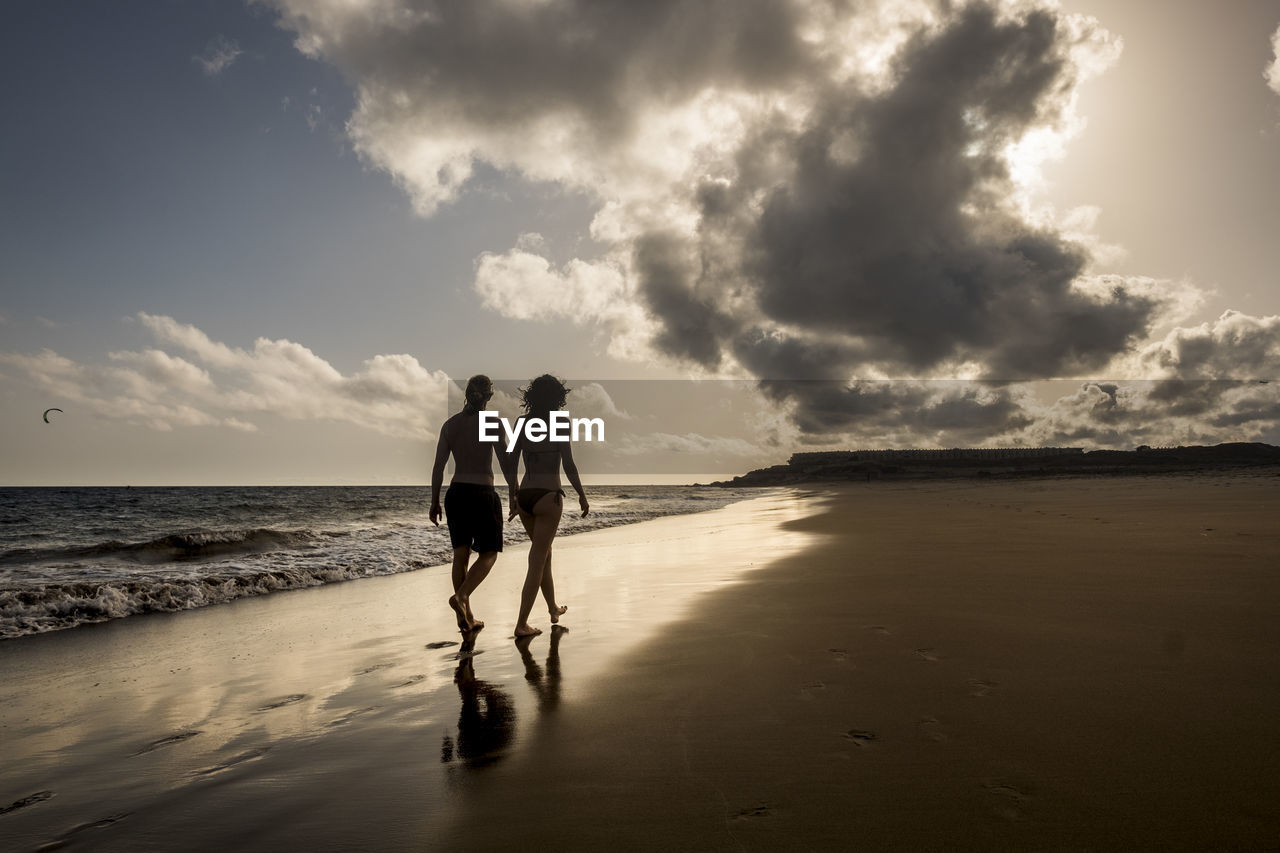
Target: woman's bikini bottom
x=527 y=498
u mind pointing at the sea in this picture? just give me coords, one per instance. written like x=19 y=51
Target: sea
x=73 y=556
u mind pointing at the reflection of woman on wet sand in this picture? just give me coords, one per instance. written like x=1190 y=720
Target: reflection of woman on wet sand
x=539 y=501
x=545 y=685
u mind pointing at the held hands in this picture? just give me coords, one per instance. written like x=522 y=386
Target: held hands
x=435 y=514
x=511 y=505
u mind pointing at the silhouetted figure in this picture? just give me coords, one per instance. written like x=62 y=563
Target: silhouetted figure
x=471 y=505
x=540 y=500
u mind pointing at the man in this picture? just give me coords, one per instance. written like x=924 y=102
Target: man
x=471 y=505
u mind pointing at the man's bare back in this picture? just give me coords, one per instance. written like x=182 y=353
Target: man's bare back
x=473 y=458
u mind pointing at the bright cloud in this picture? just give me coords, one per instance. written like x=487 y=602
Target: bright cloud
x=218 y=56
x=207 y=383
x=1272 y=74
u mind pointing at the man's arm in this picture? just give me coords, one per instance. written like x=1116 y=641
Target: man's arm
x=437 y=473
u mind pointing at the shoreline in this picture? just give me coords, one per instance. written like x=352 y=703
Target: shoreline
x=147 y=730
x=205 y=560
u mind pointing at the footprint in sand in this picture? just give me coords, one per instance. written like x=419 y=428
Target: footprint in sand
x=374 y=668
x=166 y=741
x=64 y=839
x=860 y=737
x=443 y=644
x=248 y=755
x=351 y=715
x=813 y=689
x=927 y=654
x=280 y=703
x=1010 y=800
x=37 y=797
x=413 y=680
x=978 y=687
x=879 y=630
x=762 y=810
x=839 y=654
x=930 y=729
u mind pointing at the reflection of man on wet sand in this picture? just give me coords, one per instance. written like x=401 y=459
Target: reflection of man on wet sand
x=487 y=720
x=471 y=505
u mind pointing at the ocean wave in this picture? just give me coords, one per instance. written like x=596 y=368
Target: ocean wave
x=64 y=605
x=107 y=565
x=176 y=547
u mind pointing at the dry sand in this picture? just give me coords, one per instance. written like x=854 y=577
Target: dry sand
x=1077 y=664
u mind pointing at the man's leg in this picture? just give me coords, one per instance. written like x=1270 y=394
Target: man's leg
x=460 y=557
x=475 y=576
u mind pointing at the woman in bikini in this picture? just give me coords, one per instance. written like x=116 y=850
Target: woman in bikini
x=540 y=500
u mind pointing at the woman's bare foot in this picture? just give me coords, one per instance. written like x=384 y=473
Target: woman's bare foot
x=527 y=631
x=557 y=612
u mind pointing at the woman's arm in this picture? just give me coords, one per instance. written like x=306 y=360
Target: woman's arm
x=511 y=471
x=571 y=471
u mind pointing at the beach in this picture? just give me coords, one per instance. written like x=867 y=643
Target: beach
x=1083 y=663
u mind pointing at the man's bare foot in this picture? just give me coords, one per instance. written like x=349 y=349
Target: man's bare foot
x=557 y=612
x=465 y=603
x=527 y=631
x=463 y=623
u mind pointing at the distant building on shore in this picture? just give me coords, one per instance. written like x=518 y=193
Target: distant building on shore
x=955 y=454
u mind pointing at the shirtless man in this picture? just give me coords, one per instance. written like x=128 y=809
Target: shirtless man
x=471 y=504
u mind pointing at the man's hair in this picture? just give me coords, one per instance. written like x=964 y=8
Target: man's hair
x=478 y=389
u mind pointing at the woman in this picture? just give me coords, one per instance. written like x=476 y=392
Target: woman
x=540 y=500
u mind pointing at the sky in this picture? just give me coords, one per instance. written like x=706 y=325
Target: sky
x=260 y=242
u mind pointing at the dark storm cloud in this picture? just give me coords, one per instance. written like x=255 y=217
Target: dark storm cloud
x=508 y=63
x=689 y=332
x=767 y=207
x=903 y=243
x=946 y=412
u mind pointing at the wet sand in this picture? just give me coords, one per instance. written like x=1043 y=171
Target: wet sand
x=345 y=717
x=1076 y=664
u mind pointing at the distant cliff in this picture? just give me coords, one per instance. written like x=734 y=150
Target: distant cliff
x=847 y=465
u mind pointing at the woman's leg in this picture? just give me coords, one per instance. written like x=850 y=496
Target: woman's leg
x=546 y=519
x=549 y=592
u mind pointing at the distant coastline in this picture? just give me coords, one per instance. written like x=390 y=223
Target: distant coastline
x=1005 y=463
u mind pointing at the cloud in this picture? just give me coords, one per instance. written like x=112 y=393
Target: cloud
x=785 y=190
x=1272 y=73
x=211 y=384
x=219 y=55
x=524 y=285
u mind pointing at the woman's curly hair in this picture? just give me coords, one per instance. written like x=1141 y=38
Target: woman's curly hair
x=544 y=394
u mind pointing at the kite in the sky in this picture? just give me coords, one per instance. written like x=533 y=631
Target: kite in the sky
x=46 y=414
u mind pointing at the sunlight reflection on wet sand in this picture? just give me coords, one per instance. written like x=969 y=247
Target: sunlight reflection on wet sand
x=268 y=706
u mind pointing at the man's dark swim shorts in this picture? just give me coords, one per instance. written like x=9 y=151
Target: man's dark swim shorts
x=474 y=515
